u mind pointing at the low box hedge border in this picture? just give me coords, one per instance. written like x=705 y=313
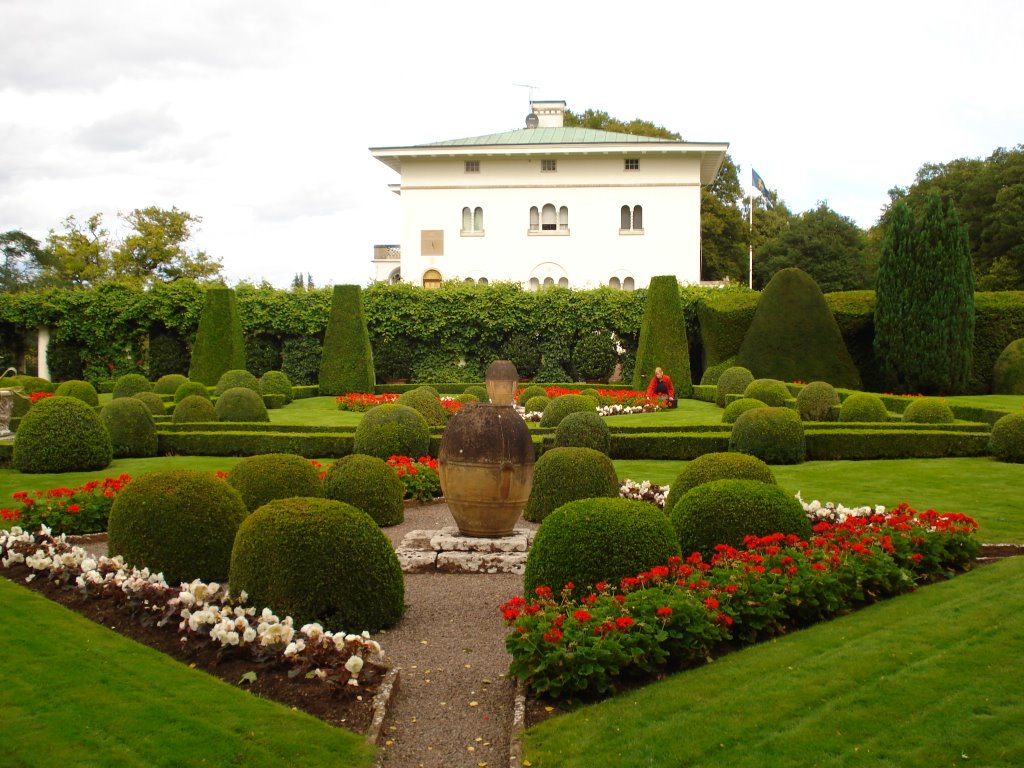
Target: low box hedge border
x=857 y=444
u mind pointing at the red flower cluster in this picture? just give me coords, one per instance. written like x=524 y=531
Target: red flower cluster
x=363 y=401
x=35 y=397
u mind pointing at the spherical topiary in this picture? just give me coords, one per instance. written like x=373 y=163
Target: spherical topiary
x=479 y=390
x=131 y=427
x=592 y=540
x=863 y=406
x=774 y=435
x=61 y=434
x=1006 y=442
x=241 y=404
x=593 y=394
x=153 y=402
x=534 y=390
x=276 y=383
x=736 y=407
x=194 y=408
x=726 y=511
x=1008 y=371
x=562 y=475
x=712 y=374
x=190 y=388
x=771 y=392
x=168 y=384
x=717 y=466
x=369 y=484
x=563 y=405
x=427 y=402
x=814 y=401
x=928 y=410
x=130 y=383
x=181 y=522
x=236 y=378
x=269 y=476
x=733 y=381
x=537 y=404
x=81 y=390
x=467 y=397
x=392 y=430
x=319 y=560
x=584 y=430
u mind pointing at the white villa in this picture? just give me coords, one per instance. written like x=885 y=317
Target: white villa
x=549 y=205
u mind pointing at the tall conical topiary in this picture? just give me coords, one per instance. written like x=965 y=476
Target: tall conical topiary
x=663 y=338
x=924 y=306
x=346 y=364
x=219 y=345
x=794 y=335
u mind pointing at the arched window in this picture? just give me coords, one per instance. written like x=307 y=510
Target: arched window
x=631 y=219
x=563 y=217
x=534 y=284
x=549 y=282
x=614 y=283
x=625 y=219
x=482 y=281
x=548 y=218
x=563 y=282
x=627 y=284
x=470 y=280
x=395 y=276
x=638 y=217
x=478 y=219
x=431 y=279
x=467 y=220
x=534 y=219
x=472 y=220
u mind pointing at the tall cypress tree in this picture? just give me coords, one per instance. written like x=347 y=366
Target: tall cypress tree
x=347 y=361
x=219 y=345
x=924 y=300
x=663 y=342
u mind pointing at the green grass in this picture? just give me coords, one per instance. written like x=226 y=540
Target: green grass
x=1006 y=402
x=688 y=412
x=928 y=679
x=978 y=486
x=315 y=411
x=73 y=693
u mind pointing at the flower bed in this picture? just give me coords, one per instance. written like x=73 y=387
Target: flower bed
x=363 y=401
x=678 y=614
x=67 y=510
x=419 y=477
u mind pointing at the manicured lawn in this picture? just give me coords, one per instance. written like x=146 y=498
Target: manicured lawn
x=73 y=693
x=928 y=679
x=1007 y=402
x=688 y=412
x=315 y=411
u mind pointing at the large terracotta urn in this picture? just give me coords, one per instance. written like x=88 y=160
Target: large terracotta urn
x=486 y=459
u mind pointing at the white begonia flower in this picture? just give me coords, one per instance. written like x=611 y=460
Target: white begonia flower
x=275 y=634
x=88 y=564
x=187 y=599
x=295 y=647
x=354 y=665
x=313 y=631
x=249 y=635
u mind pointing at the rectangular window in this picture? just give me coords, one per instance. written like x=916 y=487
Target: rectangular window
x=549 y=165
x=632 y=164
x=472 y=166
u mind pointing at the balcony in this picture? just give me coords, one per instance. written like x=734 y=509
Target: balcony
x=387 y=253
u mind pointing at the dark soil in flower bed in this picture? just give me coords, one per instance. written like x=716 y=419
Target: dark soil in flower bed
x=329 y=703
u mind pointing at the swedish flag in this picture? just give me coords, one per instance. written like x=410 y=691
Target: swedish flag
x=759 y=184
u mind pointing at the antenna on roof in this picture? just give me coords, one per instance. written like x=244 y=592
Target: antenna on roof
x=532 y=121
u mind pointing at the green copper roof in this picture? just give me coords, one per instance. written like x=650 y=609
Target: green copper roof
x=550 y=136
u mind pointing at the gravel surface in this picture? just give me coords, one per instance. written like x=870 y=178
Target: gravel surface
x=453 y=704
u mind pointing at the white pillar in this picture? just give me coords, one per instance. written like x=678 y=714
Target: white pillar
x=41 y=344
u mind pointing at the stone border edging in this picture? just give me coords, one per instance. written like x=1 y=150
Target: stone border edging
x=381 y=700
x=515 y=746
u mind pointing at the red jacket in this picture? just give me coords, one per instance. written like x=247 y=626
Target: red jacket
x=668 y=383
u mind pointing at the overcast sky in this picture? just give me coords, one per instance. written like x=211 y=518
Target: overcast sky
x=258 y=116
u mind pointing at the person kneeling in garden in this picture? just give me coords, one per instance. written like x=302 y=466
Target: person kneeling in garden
x=661 y=388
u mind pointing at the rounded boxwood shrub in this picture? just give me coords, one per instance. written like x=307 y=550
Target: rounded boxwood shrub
x=180 y=522
x=153 y=402
x=194 y=408
x=713 y=373
x=592 y=540
x=392 y=430
x=863 y=406
x=717 y=466
x=771 y=392
x=479 y=390
x=534 y=390
x=129 y=384
x=276 y=383
x=928 y=410
x=733 y=381
x=236 y=378
x=131 y=427
x=593 y=394
x=190 y=388
x=736 y=407
x=241 y=404
x=562 y=475
x=774 y=435
x=726 y=511
x=537 y=404
x=1008 y=370
x=1006 y=442
x=269 y=476
x=584 y=430
x=467 y=397
x=80 y=390
x=815 y=401
x=319 y=560
x=427 y=402
x=369 y=484
x=61 y=434
x=563 y=405
x=168 y=384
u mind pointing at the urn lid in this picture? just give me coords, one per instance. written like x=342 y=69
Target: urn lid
x=501 y=380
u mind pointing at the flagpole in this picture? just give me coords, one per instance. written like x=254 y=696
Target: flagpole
x=750 y=243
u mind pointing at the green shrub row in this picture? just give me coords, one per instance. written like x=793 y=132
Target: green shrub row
x=838 y=444
x=252 y=443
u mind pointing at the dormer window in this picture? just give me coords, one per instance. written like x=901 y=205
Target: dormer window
x=549 y=165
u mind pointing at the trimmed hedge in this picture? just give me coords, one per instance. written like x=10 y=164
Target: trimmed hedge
x=717 y=466
x=368 y=484
x=236 y=378
x=1007 y=439
x=774 y=435
x=194 y=408
x=425 y=400
x=276 y=383
x=219 y=345
x=928 y=410
x=61 y=434
x=663 y=342
x=814 y=402
x=153 y=402
x=584 y=430
x=190 y=388
x=347 y=361
x=732 y=381
x=742 y=405
x=241 y=404
x=863 y=407
x=168 y=384
x=81 y=390
x=853 y=444
x=245 y=443
x=771 y=392
x=392 y=430
x=1008 y=371
x=131 y=427
x=560 y=407
x=269 y=476
x=562 y=475
x=130 y=384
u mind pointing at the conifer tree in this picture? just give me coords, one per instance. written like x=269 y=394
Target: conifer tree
x=346 y=364
x=220 y=345
x=663 y=343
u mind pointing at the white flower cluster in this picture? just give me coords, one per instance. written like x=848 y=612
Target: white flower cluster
x=831 y=512
x=645 y=491
x=202 y=610
x=617 y=410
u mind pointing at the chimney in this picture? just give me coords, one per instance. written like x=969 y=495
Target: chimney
x=550 y=114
